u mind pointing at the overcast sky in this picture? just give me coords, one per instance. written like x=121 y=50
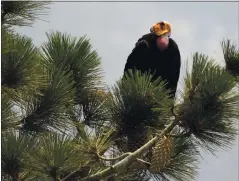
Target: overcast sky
x=115 y=27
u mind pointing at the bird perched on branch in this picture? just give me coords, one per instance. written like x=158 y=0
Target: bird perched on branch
x=157 y=54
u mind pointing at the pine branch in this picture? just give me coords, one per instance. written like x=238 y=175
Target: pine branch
x=130 y=158
x=23 y=13
x=231 y=56
x=209 y=107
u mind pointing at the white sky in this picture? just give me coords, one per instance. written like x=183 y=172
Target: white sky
x=115 y=27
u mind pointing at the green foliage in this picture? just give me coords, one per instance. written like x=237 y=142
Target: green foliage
x=9 y=119
x=96 y=143
x=95 y=110
x=133 y=101
x=22 y=13
x=76 y=56
x=231 y=57
x=209 y=108
x=14 y=146
x=52 y=158
x=92 y=146
x=49 y=111
x=21 y=68
x=70 y=54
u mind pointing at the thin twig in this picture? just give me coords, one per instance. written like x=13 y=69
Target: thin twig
x=144 y=162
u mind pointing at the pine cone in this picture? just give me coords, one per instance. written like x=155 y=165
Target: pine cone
x=161 y=155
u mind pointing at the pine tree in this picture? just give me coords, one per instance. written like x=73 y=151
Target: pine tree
x=61 y=122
